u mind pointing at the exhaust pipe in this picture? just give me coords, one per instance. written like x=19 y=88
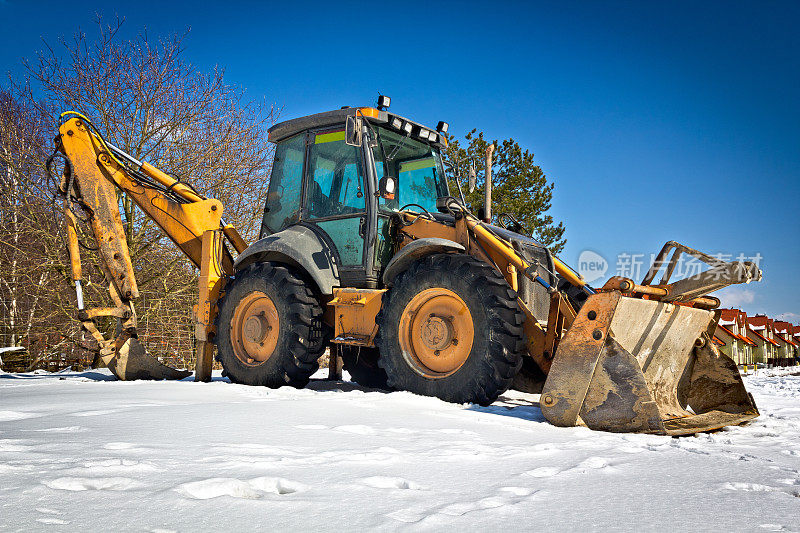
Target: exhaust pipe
x=487 y=198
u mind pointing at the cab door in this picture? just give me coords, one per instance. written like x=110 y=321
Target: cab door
x=335 y=199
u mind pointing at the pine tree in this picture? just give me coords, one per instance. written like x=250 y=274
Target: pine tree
x=519 y=187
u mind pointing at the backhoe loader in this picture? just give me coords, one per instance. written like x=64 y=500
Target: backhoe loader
x=363 y=250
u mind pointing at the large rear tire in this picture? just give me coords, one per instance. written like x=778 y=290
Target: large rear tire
x=451 y=328
x=269 y=328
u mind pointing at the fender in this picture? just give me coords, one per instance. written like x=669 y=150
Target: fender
x=299 y=247
x=417 y=249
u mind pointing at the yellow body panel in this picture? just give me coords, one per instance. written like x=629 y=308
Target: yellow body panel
x=355 y=311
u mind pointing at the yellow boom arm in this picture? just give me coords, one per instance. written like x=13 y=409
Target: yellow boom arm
x=190 y=220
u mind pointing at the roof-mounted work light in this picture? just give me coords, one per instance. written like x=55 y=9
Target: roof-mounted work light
x=383 y=102
x=442 y=126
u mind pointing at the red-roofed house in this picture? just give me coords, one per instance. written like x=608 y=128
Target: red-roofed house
x=784 y=333
x=732 y=332
x=796 y=335
x=760 y=331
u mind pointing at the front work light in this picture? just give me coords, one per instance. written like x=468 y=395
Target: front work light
x=384 y=102
x=407 y=127
x=397 y=123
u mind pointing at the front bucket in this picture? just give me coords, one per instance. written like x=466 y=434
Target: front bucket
x=131 y=362
x=631 y=365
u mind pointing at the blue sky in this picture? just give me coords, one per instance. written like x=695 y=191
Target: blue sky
x=656 y=121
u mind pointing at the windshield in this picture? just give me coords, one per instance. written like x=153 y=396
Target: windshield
x=417 y=166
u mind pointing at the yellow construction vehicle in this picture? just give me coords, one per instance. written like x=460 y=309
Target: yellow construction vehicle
x=363 y=250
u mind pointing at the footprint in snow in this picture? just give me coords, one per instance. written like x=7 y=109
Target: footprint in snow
x=518 y=491
x=10 y=416
x=749 y=487
x=356 y=429
x=462 y=508
x=113 y=466
x=16 y=445
x=592 y=463
x=66 y=429
x=119 y=446
x=381 y=482
x=756 y=487
x=98 y=412
x=773 y=527
x=52 y=521
x=506 y=497
x=543 y=471
x=237 y=488
x=97 y=483
x=455 y=431
x=311 y=426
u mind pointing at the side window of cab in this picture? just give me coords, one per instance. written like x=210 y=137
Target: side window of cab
x=336 y=177
x=285 y=186
x=335 y=199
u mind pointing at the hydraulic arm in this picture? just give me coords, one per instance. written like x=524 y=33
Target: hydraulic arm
x=94 y=170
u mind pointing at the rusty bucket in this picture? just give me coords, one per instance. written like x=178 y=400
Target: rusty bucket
x=634 y=365
x=131 y=361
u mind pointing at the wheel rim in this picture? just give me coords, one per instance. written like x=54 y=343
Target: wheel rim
x=436 y=332
x=254 y=329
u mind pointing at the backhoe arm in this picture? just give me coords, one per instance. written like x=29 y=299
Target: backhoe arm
x=96 y=169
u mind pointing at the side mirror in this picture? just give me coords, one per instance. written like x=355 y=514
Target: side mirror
x=353 y=130
x=387 y=187
x=473 y=176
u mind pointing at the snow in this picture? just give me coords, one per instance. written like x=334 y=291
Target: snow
x=79 y=451
x=8 y=349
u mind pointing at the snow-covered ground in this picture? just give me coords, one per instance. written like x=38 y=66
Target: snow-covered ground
x=79 y=452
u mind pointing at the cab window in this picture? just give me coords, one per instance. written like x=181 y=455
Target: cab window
x=336 y=177
x=285 y=185
x=417 y=166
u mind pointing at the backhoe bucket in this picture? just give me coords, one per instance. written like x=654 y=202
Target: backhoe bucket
x=633 y=365
x=131 y=361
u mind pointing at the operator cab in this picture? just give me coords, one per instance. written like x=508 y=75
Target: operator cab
x=343 y=173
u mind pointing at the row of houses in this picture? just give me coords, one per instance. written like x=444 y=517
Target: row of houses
x=753 y=340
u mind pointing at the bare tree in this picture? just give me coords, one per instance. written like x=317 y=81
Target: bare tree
x=30 y=267
x=148 y=100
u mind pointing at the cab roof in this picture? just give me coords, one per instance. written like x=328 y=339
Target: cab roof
x=288 y=128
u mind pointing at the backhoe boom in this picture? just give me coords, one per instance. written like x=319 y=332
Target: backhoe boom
x=96 y=170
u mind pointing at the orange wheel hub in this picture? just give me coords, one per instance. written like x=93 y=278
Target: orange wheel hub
x=436 y=332
x=254 y=329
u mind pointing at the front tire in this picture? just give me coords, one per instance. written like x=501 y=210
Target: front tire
x=451 y=328
x=269 y=328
